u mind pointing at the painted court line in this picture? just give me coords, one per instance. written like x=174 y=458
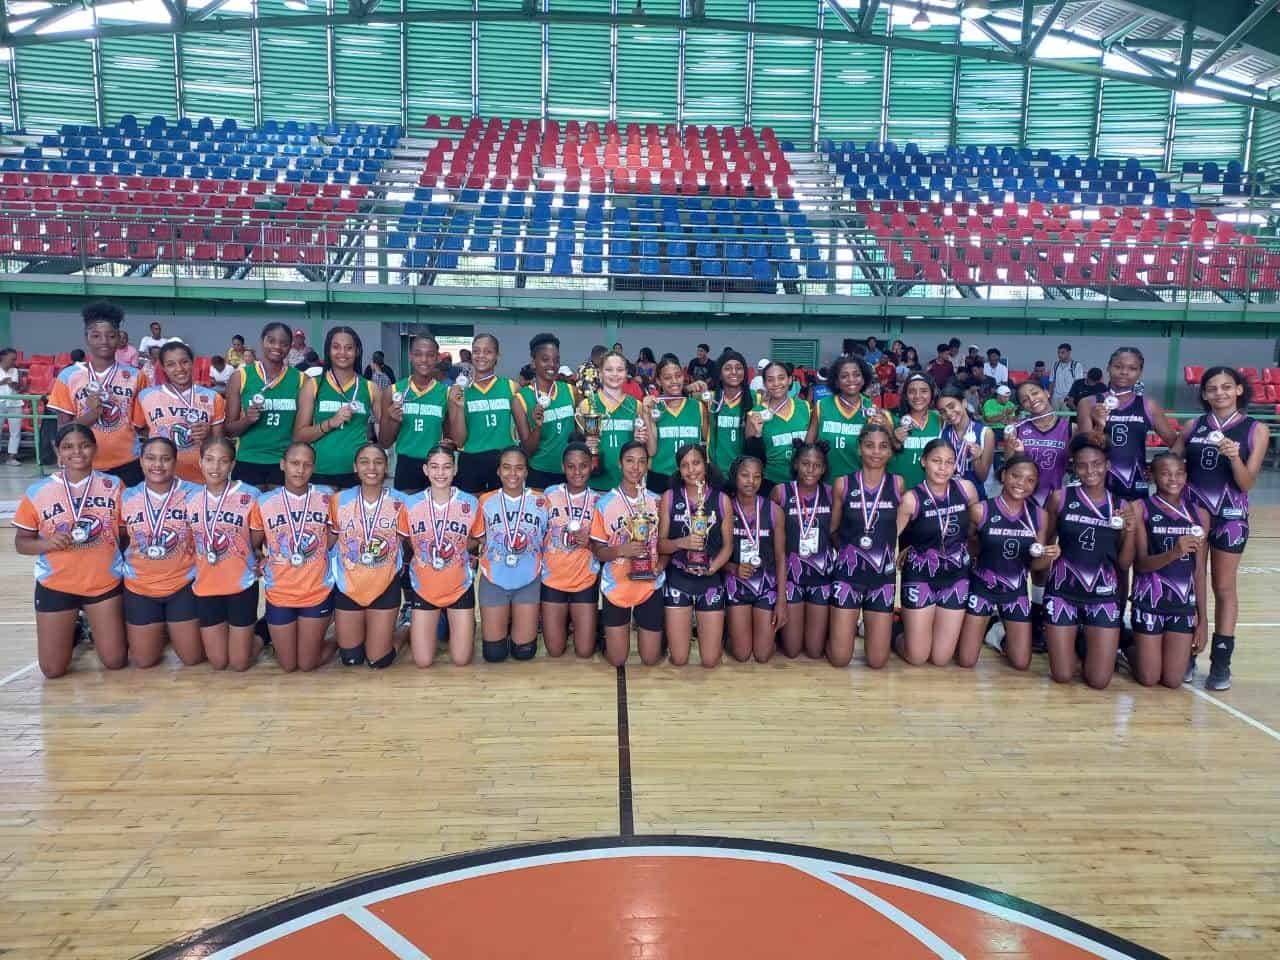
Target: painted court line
x=1238 y=714
x=901 y=919
x=20 y=673
x=386 y=935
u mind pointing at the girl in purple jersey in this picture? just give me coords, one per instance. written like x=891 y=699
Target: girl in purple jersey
x=933 y=519
x=1010 y=539
x=864 y=531
x=757 y=608
x=1225 y=450
x=1171 y=550
x=1095 y=539
x=805 y=503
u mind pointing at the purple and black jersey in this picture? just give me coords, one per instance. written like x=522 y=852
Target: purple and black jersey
x=1127 y=428
x=764 y=583
x=855 y=562
x=1172 y=588
x=1212 y=484
x=1085 y=571
x=936 y=535
x=1004 y=548
x=802 y=515
x=1048 y=448
x=679 y=525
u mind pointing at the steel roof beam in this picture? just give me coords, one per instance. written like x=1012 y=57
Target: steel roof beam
x=1045 y=26
x=1234 y=37
x=995 y=35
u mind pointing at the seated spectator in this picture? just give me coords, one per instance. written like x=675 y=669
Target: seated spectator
x=873 y=353
x=126 y=352
x=219 y=373
x=757 y=382
x=646 y=365
x=995 y=367
x=941 y=369
x=379 y=372
x=526 y=375
x=311 y=364
x=1000 y=411
x=820 y=388
x=1090 y=386
x=77 y=355
x=247 y=356
x=1040 y=374
x=235 y=355
x=972 y=354
x=886 y=371
x=908 y=363
x=702 y=367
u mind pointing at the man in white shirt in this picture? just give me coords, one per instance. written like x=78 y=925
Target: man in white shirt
x=155 y=339
x=757 y=382
x=1065 y=372
x=995 y=367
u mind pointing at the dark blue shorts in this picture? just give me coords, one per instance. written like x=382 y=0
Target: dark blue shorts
x=283 y=616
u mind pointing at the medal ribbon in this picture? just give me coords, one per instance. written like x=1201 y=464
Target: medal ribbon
x=869 y=518
x=512 y=533
x=583 y=512
x=437 y=526
x=105 y=381
x=155 y=518
x=189 y=401
x=752 y=529
x=960 y=446
x=1023 y=519
x=71 y=501
x=296 y=529
x=1093 y=508
x=262 y=375
x=811 y=522
x=211 y=518
x=944 y=520
x=1222 y=427
x=369 y=520
x=1179 y=512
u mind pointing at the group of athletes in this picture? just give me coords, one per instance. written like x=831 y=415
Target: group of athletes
x=754 y=518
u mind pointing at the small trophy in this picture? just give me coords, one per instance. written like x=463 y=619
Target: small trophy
x=588 y=418
x=697 y=561
x=640 y=528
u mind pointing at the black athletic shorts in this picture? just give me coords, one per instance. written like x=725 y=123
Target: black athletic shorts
x=236 y=609
x=178 y=607
x=589 y=595
x=389 y=599
x=465 y=602
x=56 y=601
x=130 y=474
x=339 y=481
x=409 y=477
x=541 y=479
x=478 y=472
x=647 y=615
x=258 y=475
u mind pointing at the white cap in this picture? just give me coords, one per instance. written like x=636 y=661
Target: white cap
x=565 y=371
x=1003 y=391
x=762 y=363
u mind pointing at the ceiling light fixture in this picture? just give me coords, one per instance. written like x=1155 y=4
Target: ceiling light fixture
x=921 y=20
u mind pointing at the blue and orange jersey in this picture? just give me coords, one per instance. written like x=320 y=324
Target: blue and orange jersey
x=511 y=527
x=379 y=543
x=441 y=569
x=568 y=567
x=87 y=569
x=277 y=513
x=153 y=523
x=609 y=525
x=226 y=535
x=117 y=440
x=164 y=411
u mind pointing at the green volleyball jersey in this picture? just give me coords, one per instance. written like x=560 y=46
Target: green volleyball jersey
x=490 y=423
x=336 y=450
x=424 y=413
x=777 y=433
x=727 y=433
x=675 y=429
x=841 y=429
x=617 y=427
x=557 y=425
x=906 y=462
x=267 y=440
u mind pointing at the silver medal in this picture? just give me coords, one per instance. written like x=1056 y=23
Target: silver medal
x=1216 y=436
x=79 y=533
x=93 y=387
x=766 y=415
x=1197 y=530
x=1111 y=402
x=437 y=563
x=211 y=557
x=462 y=382
x=368 y=559
x=296 y=559
x=155 y=552
x=258 y=401
x=656 y=411
x=1037 y=549
x=544 y=400
x=511 y=560
x=865 y=542
x=193 y=415
x=575 y=526
x=1117 y=522
x=707 y=396
x=397 y=398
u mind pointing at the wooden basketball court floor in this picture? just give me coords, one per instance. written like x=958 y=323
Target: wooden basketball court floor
x=138 y=807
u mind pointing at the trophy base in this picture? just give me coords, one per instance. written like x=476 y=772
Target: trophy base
x=643 y=571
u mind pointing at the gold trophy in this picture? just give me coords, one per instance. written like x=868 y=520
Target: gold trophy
x=640 y=528
x=588 y=418
x=697 y=561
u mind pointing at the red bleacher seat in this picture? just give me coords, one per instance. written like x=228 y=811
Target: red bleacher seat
x=1271 y=375
x=1192 y=374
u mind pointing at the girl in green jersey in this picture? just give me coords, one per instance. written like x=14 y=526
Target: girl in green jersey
x=418 y=414
x=918 y=423
x=675 y=421
x=620 y=423
x=547 y=406
x=727 y=429
x=490 y=419
x=338 y=410
x=262 y=404
x=779 y=420
x=839 y=418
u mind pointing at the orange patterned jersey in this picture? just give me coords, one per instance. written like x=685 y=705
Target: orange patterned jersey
x=513 y=532
x=167 y=412
x=441 y=570
x=366 y=559
x=295 y=526
x=121 y=384
x=569 y=567
x=89 y=568
x=608 y=526
x=159 y=559
x=225 y=560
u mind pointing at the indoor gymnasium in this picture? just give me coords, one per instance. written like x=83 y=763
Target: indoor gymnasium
x=639 y=479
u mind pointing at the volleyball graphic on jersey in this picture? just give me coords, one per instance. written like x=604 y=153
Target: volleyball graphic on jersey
x=168 y=541
x=109 y=414
x=307 y=543
x=91 y=525
x=180 y=434
x=378 y=548
x=220 y=543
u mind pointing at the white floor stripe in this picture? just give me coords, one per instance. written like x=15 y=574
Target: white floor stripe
x=1258 y=624
x=20 y=673
x=1238 y=714
x=386 y=935
x=906 y=922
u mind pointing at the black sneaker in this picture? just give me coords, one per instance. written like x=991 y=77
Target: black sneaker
x=1219 y=677
x=1190 y=675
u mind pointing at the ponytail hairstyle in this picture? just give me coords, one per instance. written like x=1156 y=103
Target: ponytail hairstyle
x=731 y=485
x=163 y=441
x=365 y=446
x=1246 y=395
x=904 y=407
x=67 y=429
x=211 y=441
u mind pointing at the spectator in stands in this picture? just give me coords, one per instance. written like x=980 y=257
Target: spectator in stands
x=941 y=369
x=126 y=352
x=972 y=354
x=617 y=348
x=77 y=355
x=465 y=367
x=634 y=386
x=886 y=372
x=820 y=389
x=895 y=350
x=1065 y=373
x=526 y=375
x=10 y=383
x=235 y=356
x=311 y=364
x=757 y=382
x=953 y=351
x=908 y=364
x=219 y=373
x=156 y=340
x=646 y=365
x=995 y=367
x=1090 y=386
x=1040 y=374
x=298 y=350
x=248 y=356
x=702 y=367
x=999 y=411
x=379 y=372
x=873 y=353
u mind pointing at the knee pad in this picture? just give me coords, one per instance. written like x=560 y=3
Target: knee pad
x=524 y=651
x=383 y=662
x=353 y=657
x=495 y=651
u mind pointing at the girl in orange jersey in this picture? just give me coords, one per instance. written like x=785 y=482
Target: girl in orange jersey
x=226 y=584
x=291 y=526
x=181 y=410
x=571 y=573
x=436 y=526
x=159 y=560
x=511 y=525
x=67 y=521
x=365 y=563
x=629 y=507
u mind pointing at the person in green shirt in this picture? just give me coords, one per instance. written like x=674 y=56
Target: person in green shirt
x=420 y=412
x=918 y=423
x=620 y=423
x=547 y=406
x=338 y=409
x=778 y=420
x=999 y=411
x=727 y=416
x=675 y=420
x=264 y=429
x=490 y=419
x=839 y=418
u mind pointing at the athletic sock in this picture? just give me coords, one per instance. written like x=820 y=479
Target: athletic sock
x=1222 y=648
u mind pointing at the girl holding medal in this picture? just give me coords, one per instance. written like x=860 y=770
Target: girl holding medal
x=1170 y=619
x=185 y=412
x=840 y=418
x=1011 y=533
x=778 y=422
x=68 y=521
x=291 y=527
x=1094 y=533
x=974 y=443
x=805 y=504
x=695 y=529
x=757 y=609
x=1225 y=450
x=933 y=518
x=226 y=582
x=365 y=563
x=729 y=408
x=262 y=404
x=511 y=527
x=675 y=421
x=620 y=423
x=159 y=561
x=571 y=575
x=419 y=413
x=337 y=411
x=547 y=406
x=919 y=424
x=864 y=525
x=436 y=526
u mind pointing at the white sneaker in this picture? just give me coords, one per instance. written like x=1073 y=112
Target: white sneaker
x=995 y=638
